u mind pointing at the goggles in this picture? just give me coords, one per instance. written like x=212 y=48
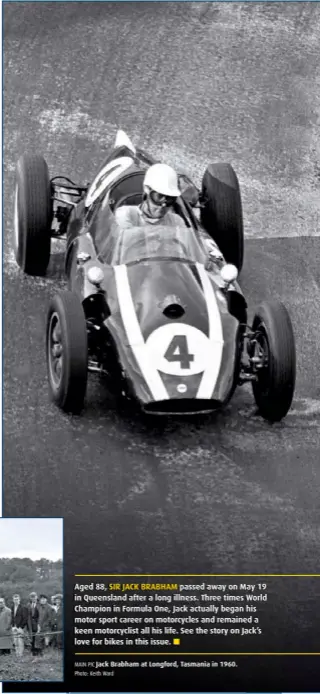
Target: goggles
x=160 y=199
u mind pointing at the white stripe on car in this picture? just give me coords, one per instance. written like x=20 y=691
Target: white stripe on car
x=148 y=359
x=135 y=337
x=211 y=373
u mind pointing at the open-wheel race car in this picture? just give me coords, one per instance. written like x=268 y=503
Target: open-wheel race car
x=153 y=309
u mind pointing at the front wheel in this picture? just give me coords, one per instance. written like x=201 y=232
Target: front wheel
x=67 y=352
x=274 y=349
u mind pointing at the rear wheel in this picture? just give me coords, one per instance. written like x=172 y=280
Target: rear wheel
x=67 y=351
x=221 y=214
x=274 y=347
x=32 y=214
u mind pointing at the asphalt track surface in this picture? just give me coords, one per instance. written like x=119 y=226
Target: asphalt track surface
x=191 y=83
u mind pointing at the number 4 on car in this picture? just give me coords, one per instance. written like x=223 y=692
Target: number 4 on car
x=157 y=311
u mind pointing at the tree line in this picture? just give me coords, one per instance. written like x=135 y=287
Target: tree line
x=24 y=575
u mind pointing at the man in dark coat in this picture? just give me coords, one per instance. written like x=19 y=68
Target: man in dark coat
x=19 y=622
x=33 y=623
x=46 y=618
x=58 y=622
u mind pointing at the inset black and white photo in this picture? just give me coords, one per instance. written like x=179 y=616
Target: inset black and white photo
x=31 y=599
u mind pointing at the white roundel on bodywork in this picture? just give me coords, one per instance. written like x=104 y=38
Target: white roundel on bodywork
x=179 y=349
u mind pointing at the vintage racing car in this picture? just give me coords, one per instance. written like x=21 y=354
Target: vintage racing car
x=153 y=310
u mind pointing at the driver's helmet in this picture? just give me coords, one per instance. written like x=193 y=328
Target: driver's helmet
x=160 y=187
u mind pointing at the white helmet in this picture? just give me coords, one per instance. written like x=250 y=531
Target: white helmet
x=162 y=179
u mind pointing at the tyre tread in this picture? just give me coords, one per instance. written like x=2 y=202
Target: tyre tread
x=222 y=216
x=276 y=402
x=34 y=189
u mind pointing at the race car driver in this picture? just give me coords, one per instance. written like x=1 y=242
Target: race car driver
x=160 y=188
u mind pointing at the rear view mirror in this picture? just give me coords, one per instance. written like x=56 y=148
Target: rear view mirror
x=190 y=195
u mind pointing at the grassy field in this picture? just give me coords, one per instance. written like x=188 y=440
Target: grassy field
x=45 y=668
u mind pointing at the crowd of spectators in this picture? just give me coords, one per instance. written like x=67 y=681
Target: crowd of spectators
x=36 y=625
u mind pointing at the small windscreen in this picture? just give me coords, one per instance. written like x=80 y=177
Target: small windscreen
x=161 y=242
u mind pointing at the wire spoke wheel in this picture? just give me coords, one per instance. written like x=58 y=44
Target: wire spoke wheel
x=67 y=351
x=55 y=350
x=261 y=357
